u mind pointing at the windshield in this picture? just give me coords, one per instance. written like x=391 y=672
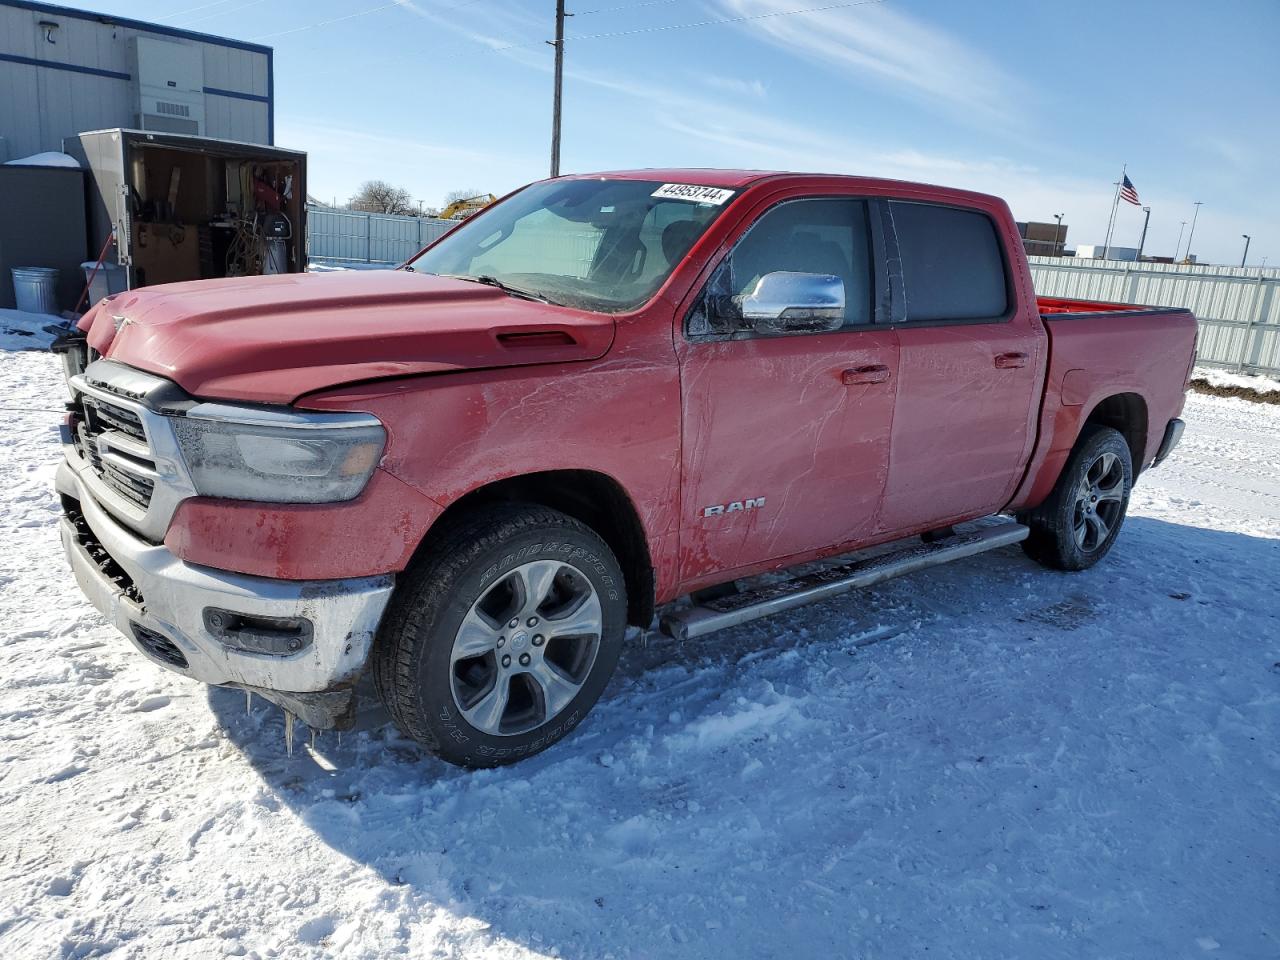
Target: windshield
x=604 y=245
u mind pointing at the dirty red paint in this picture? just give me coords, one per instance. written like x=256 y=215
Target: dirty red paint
x=678 y=425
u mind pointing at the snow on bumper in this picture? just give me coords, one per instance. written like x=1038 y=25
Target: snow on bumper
x=161 y=594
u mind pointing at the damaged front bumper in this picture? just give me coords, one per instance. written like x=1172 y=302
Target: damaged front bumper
x=300 y=644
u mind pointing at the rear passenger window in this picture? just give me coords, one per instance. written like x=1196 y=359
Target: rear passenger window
x=952 y=268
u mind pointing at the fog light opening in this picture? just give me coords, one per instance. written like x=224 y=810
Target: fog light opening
x=253 y=633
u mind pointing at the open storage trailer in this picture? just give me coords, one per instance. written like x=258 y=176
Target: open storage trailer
x=194 y=208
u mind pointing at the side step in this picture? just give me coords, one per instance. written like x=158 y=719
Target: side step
x=741 y=608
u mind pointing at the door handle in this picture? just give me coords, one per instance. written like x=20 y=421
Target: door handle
x=875 y=373
x=1008 y=361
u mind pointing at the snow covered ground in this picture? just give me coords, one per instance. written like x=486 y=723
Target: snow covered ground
x=20 y=330
x=988 y=761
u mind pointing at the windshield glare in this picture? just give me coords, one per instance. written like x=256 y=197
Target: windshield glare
x=605 y=245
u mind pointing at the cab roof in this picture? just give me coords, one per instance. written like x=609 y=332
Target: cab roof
x=738 y=179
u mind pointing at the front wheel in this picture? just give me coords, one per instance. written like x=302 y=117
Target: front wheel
x=500 y=641
x=1079 y=522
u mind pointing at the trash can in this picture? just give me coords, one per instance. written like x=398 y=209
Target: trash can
x=110 y=278
x=35 y=289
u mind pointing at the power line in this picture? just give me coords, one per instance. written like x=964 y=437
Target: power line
x=223 y=13
x=326 y=23
x=684 y=26
x=712 y=23
x=625 y=6
x=359 y=13
x=183 y=13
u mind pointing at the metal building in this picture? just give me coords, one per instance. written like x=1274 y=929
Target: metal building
x=64 y=71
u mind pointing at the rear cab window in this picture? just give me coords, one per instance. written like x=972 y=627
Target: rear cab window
x=952 y=263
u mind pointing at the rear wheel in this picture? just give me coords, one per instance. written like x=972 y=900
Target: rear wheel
x=1079 y=522
x=498 y=644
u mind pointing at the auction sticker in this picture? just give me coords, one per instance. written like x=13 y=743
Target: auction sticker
x=692 y=193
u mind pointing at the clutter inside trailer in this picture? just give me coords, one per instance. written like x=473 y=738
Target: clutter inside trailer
x=192 y=208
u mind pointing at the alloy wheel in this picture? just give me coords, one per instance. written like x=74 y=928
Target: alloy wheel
x=1099 y=502
x=525 y=648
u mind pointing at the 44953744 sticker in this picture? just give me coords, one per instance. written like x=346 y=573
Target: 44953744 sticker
x=693 y=193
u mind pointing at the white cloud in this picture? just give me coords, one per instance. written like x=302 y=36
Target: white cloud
x=735 y=86
x=490 y=25
x=893 y=51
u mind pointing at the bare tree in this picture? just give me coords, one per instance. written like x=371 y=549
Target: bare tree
x=378 y=196
x=453 y=195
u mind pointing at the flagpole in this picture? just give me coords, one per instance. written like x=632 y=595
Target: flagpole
x=1115 y=202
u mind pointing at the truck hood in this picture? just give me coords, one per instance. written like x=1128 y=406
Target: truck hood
x=273 y=339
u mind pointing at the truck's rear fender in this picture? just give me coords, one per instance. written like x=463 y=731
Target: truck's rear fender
x=1061 y=427
x=1126 y=371
x=1126 y=413
x=596 y=499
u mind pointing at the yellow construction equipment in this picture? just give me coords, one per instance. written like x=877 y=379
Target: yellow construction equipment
x=461 y=209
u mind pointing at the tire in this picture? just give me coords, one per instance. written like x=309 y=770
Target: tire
x=438 y=661
x=1079 y=522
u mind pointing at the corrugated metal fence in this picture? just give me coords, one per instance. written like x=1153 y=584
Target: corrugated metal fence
x=337 y=234
x=1238 y=307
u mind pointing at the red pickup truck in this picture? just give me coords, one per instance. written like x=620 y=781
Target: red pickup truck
x=466 y=476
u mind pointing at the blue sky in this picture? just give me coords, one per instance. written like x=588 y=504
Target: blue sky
x=1038 y=102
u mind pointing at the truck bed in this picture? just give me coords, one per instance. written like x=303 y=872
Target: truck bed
x=1061 y=307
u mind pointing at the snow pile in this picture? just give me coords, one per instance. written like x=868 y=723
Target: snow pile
x=20 y=330
x=51 y=158
x=989 y=760
x=330 y=266
x=1221 y=378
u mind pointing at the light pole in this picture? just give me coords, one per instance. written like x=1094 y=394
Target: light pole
x=1057 y=237
x=1190 y=236
x=1181 y=230
x=1245 y=255
x=1143 y=242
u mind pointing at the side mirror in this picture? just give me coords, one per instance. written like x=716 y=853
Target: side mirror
x=786 y=302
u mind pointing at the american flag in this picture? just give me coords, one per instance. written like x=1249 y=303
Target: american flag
x=1128 y=192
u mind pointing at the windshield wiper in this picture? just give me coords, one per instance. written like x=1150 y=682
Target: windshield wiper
x=506 y=288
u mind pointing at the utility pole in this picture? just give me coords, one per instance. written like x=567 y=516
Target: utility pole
x=558 y=43
x=1143 y=242
x=1057 y=236
x=1245 y=257
x=1181 y=230
x=1190 y=236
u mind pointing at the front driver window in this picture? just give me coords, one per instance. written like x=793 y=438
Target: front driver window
x=799 y=236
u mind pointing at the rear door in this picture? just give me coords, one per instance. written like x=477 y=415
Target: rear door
x=969 y=367
x=786 y=438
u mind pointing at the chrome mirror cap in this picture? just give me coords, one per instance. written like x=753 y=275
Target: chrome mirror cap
x=786 y=302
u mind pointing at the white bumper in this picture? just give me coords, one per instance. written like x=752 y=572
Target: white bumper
x=343 y=614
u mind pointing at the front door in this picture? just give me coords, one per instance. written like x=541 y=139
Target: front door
x=786 y=437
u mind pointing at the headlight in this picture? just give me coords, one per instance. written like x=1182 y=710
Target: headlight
x=278 y=456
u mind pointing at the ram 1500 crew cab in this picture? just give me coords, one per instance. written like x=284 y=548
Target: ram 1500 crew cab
x=466 y=476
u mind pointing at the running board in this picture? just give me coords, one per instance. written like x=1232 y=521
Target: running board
x=741 y=608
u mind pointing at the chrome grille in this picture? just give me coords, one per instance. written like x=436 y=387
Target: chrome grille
x=118 y=418
x=112 y=440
